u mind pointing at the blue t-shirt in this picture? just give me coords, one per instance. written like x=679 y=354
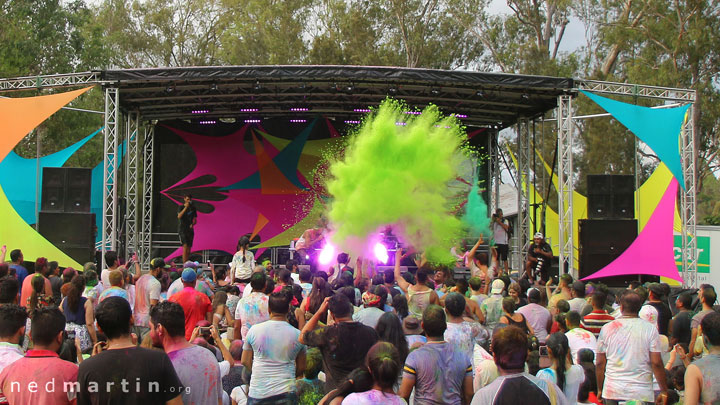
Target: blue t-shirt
x=438 y=370
x=20 y=271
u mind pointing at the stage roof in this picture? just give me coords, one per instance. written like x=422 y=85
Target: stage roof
x=256 y=92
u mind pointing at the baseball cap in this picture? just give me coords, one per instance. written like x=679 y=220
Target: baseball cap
x=411 y=325
x=191 y=265
x=497 y=287
x=189 y=275
x=538 y=235
x=158 y=262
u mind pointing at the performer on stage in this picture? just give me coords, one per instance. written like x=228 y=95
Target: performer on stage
x=309 y=240
x=501 y=235
x=187 y=219
x=539 y=257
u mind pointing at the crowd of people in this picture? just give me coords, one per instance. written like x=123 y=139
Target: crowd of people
x=260 y=333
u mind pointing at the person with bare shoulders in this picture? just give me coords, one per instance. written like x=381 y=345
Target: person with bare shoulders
x=419 y=295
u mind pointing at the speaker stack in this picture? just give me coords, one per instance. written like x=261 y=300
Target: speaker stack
x=65 y=219
x=611 y=227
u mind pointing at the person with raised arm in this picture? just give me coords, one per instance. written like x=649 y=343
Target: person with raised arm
x=419 y=295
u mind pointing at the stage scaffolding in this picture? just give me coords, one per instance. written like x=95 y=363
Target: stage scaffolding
x=138 y=229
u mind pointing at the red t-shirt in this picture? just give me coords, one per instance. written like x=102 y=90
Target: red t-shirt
x=40 y=377
x=195 y=304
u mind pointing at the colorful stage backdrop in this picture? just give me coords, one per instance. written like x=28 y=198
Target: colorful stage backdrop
x=261 y=178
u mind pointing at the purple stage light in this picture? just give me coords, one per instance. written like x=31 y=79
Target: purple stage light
x=200 y=111
x=249 y=110
x=252 y=121
x=208 y=122
x=297 y=121
x=381 y=253
x=327 y=254
x=362 y=110
x=299 y=109
x=412 y=112
x=460 y=115
x=352 y=121
x=402 y=124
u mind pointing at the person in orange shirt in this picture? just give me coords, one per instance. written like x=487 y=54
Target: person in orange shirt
x=196 y=305
x=41 y=267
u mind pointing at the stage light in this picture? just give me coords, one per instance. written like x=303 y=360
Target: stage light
x=412 y=112
x=252 y=121
x=296 y=109
x=208 y=122
x=460 y=115
x=352 y=121
x=200 y=111
x=362 y=110
x=249 y=109
x=401 y=124
x=298 y=120
x=381 y=253
x=327 y=254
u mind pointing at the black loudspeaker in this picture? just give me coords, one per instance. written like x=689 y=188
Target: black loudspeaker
x=66 y=189
x=611 y=196
x=77 y=196
x=601 y=242
x=71 y=232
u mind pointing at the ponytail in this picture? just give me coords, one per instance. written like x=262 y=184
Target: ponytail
x=359 y=380
x=38 y=287
x=383 y=360
x=558 y=343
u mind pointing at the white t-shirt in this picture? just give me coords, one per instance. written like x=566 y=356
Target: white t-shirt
x=579 y=338
x=627 y=344
x=577 y=304
x=105 y=277
x=499 y=234
x=574 y=376
x=275 y=347
x=241 y=270
x=238 y=394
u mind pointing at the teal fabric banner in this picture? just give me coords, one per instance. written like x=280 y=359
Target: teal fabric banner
x=658 y=128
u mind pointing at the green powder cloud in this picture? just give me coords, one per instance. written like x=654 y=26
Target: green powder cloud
x=397 y=175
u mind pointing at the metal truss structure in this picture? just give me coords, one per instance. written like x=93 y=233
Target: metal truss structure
x=131 y=183
x=565 y=180
x=164 y=98
x=110 y=170
x=523 y=183
x=147 y=200
x=49 y=81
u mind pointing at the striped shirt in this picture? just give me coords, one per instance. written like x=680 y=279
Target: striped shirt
x=595 y=320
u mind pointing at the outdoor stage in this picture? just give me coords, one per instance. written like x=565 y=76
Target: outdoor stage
x=247 y=129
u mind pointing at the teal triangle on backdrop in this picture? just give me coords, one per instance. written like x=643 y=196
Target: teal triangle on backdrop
x=287 y=159
x=250 y=182
x=658 y=128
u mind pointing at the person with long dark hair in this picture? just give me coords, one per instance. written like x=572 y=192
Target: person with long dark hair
x=383 y=362
x=310 y=305
x=79 y=314
x=419 y=295
x=563 y=372
x=243 y=262
x=390 y=330
x=359 y=380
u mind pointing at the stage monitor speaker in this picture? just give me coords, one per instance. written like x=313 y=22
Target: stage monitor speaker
x=611 y=196
x=69 y=232
x=601 y=242
x=66 y=189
